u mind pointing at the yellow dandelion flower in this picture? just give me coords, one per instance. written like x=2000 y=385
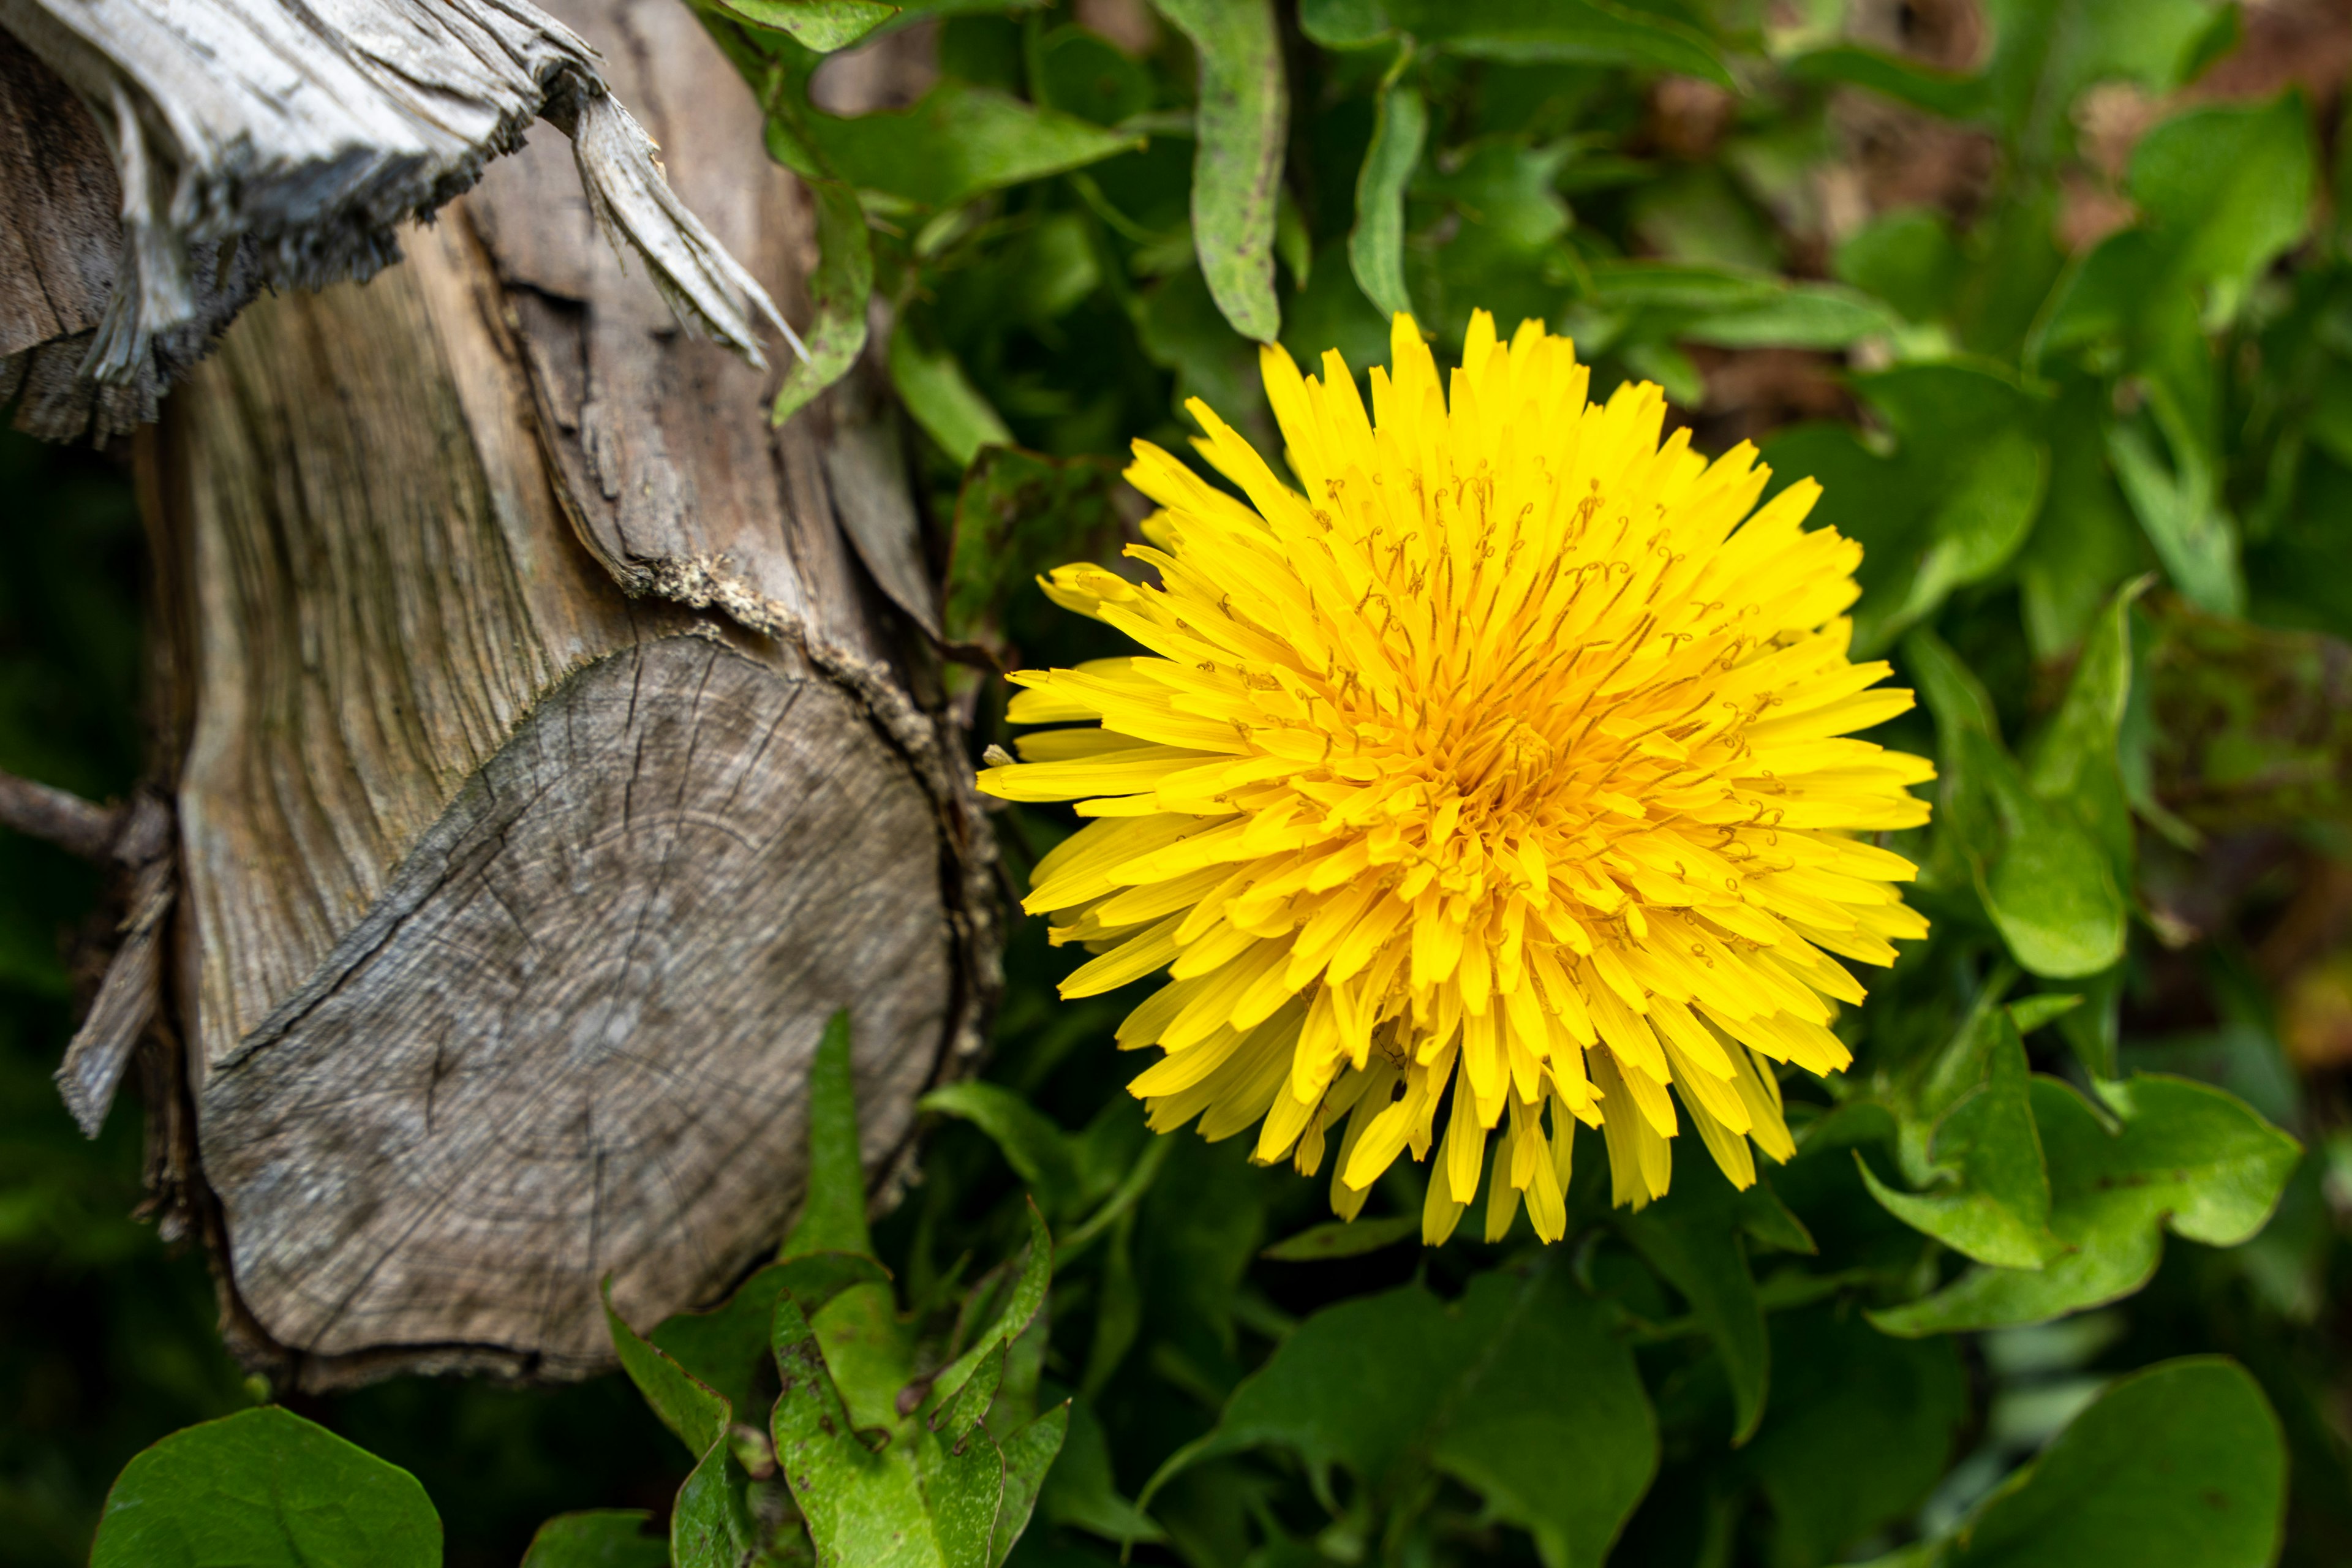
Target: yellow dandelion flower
x=1508 y=751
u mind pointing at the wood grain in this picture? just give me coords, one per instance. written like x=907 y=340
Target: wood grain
x=252 y=144
x=131 y=992
x=674 y=483
x=549 y=764
x=58 y=228
x=571 y=1037
x=384 y=587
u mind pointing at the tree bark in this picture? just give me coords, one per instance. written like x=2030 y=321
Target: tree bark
x=554 y=747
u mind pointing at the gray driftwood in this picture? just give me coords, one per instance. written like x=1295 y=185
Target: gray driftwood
x=553 y=748
x=280 y=143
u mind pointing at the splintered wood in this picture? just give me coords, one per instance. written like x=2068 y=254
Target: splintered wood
x=266 y=145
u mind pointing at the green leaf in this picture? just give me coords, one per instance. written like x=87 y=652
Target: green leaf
x=2223 y=191
x=1907 y=257
x=1796 y=316
x=1559 y=1436
x=1520 y=1390
x=1940 y=1082
x=1243 y=116
x=2093 y=1031
x=2131 y=308
x=1183 y=331
x=2223 y=32
x=1730 y=308
x=1687 y=289
x=687 y=1405
x=1976 y=527
x=722 y=1348
x=942 y=1489
x=1057 y=269
x=1079 y=73
x=712 y=1524
x=957 y=141
x=824 y=25
x=602 y=1538
x=2183 y=519
x=2186 y=1158
x=941 y=398
x=1998 y=1210
x=1692 y=1237
x=2046 y=884
x=2029 y=1013
x=1860 y=1428
x=1342 y=1238
x=833 y=1215
x=1021 y=1310
x=1974 y=462
x=1028 y=1457
x=2100 y=299
x=1080 y=1491
x=2074 y=765
x=1952 y=504
x=843 y=280
x=1199 y=1223
x=1344 y=24
x=1293 y=243
x=778 y=69
x=1504 y=191
x=862 y=1506
x=1771 y=1224
x=868 y=1343
x=1040 y=1153
x=2086 y=542
x=1584 y=32
x=871 y=1348
x=1019 y=514
x=2046 y=55
x=2051 y=891
x=265 y=1489
x=1948 y=93
x=2077 y=758
x=1503 y=219
x=1957 y=700
x=960 y=1473
x=1118 y=1309
x=2181 y=1466
x=1376 y=245
x=1356 y=1384
x=2226 y=188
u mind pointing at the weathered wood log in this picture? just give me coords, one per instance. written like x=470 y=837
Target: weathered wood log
x=554 y=747
x=61 y=232
x=252 y=144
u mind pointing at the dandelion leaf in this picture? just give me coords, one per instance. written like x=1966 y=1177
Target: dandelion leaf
x=2181 y=1466
x=1520 y=1390
x=267 y=1489
x=2185 y=1157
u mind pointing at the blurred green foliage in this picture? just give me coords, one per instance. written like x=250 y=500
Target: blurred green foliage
x=2054 y=299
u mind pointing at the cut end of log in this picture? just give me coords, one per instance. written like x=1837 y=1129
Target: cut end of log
x=572 y=1037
